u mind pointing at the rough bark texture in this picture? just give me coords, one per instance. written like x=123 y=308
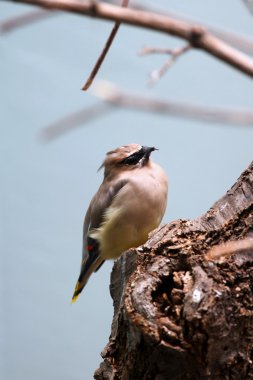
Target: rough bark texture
x=182 y=309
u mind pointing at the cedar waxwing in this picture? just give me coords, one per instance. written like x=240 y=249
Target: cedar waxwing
x=130 y=203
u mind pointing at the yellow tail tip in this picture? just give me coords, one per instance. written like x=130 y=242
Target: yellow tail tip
x=76 y=293
x=74 y=298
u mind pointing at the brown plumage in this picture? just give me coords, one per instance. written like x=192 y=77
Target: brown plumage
x=130 y=203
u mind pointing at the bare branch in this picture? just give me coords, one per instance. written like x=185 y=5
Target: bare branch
x=249 y=4
x=22 y=20
x=104 y=52
x=221 y=252
x=111 y=94
x=174 y=53
x=76 y=119
x=114 y=97
x=242 y=42
x=196 y=35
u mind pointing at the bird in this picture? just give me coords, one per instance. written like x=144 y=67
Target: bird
x=128 y=205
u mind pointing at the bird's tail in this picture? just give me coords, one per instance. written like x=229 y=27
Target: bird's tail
x=87 y=269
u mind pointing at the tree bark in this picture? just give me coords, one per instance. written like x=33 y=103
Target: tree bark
x=183 y=303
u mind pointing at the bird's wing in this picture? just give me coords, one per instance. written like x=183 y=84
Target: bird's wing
x=91 y=260
x=96 y=212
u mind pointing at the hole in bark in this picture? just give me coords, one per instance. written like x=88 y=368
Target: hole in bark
x=169 y=296
x=162 y=295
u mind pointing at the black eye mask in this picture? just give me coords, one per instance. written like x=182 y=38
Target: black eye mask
x=134 y=158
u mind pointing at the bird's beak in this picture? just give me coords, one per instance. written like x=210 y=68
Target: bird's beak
x=148 y=151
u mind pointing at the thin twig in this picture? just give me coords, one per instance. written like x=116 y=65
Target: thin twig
x=76 y=119
x=154 y=50
x=196 y=35
x=104 y=52
x=174 y=55
x=111 y=94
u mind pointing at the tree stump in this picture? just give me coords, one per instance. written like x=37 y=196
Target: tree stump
x=183 y=303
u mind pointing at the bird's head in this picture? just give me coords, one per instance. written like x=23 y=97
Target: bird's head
x=127 y=157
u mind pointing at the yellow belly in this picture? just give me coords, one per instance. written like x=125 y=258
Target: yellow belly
x=117 y=234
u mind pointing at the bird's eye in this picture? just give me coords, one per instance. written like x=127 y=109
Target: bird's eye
x=134 y=158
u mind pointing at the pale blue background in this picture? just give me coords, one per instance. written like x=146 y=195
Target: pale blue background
x=46 y=188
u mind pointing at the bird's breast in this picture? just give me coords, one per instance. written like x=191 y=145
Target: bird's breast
x=136 y=210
